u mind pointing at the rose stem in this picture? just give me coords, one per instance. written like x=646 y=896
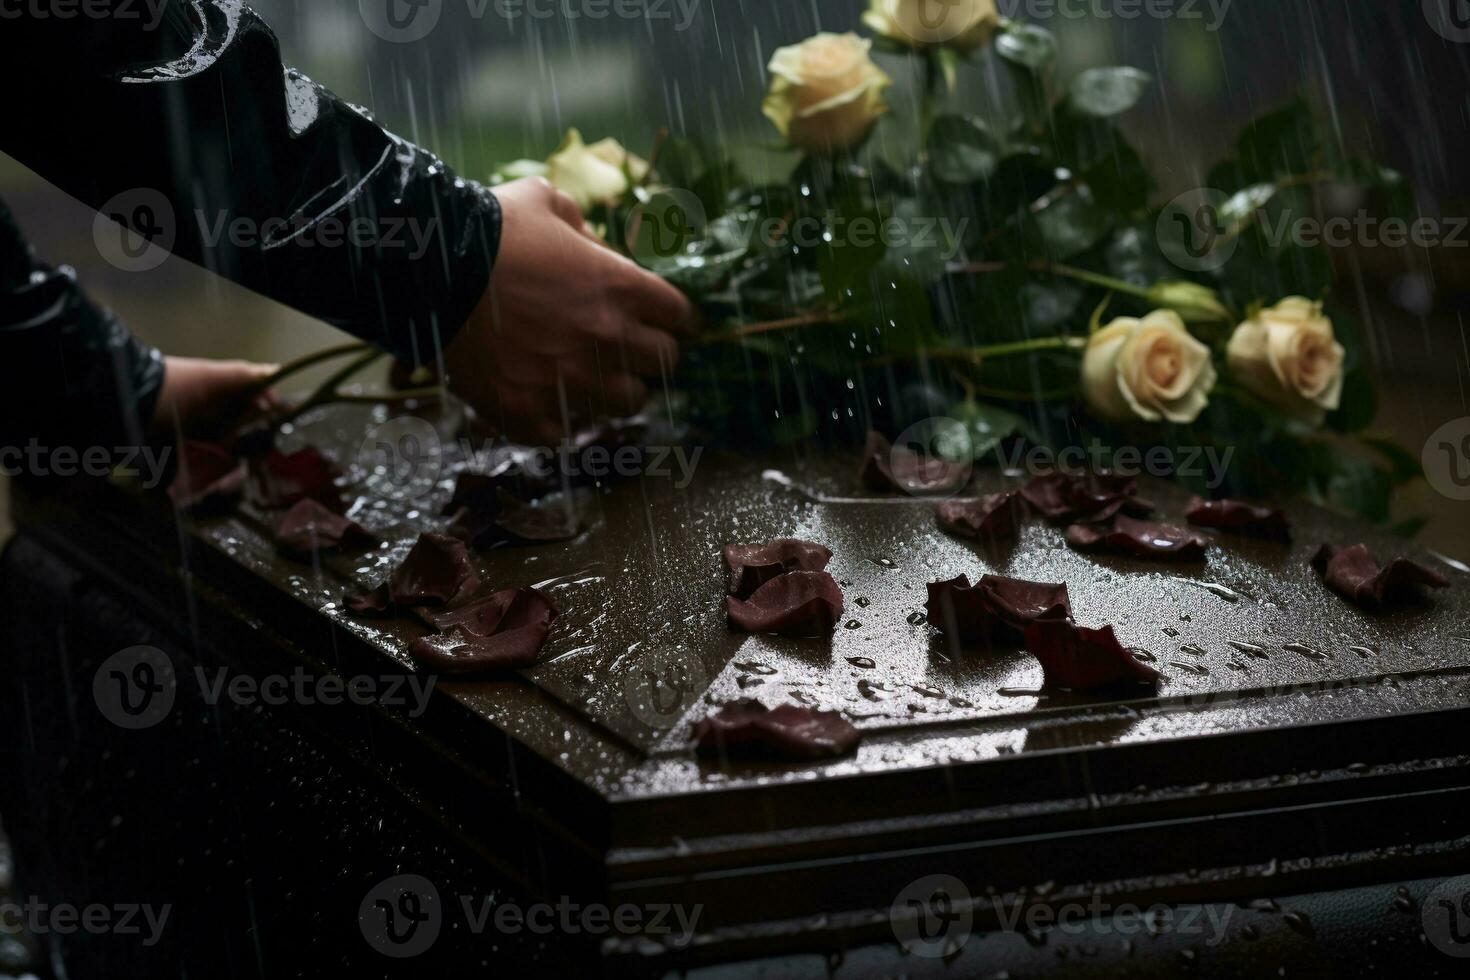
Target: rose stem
x=310 y=360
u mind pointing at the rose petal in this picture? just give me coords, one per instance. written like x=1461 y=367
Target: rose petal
x=1240 y=517
x=1357 y=576
x=558 y=517
x=474 y=492
x=459 y=652
x=887 y=470
x=996 y=611
x=794 y=604
x=1142 y=539
x=278 y=480
x=785 y=732
x=1083 y=659
x=208 y=479
x=1068 y=498
x=500 y=611
x=753 y=565
x=436 y=572
x=994 y=518
x=309 y=527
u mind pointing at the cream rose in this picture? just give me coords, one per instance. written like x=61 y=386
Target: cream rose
x=964 y=25
x=596 y=174
x=1149 y=369
x=826 y=93
x=1289 y=357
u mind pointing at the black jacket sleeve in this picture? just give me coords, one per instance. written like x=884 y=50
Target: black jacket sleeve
x=177 y=118
x=71 y=375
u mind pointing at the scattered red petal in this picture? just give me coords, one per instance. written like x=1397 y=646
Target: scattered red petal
x=501 y=631
x=1082 y=659
x=1240 y=517
x=1357 y=576
x=279 y=480
x=753 y=565
x=436 y=573
x=888 y=469
x=309 y=527
x=1069 y=498
x=794 y=604
x=1142 y=539
x=995 y=518
x=208 y=478
x=996 y=611
x=785 y=732
x=476 y=493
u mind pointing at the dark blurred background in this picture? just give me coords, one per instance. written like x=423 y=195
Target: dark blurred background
x=1391 y=78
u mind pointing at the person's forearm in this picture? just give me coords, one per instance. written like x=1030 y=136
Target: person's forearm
x=71 y=375
x=271 y=180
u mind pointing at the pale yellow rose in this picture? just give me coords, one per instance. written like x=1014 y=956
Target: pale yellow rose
x=596 y=174
x=964 y=25
x=1149 y=369
x=826 y=93
x=1289 y=357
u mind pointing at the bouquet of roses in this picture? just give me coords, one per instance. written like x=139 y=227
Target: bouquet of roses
x=1014 y=277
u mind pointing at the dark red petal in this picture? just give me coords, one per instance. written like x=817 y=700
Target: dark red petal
x=1063 y=498
x=208 y=478
x=436 y=573
x=279 y=480
x=753 y=565
x=1142 y=539
x=794 y=604
x=996 y=611
x=475 y=492
x=309 y=527
x=1082 y=659
x=378 y=600
x=785 y=732
x=506 y=610
x=888 y=469
x=1240 y=517
x=994 y=518
x=459 y=652
x=1357 y=576
x=558 y=517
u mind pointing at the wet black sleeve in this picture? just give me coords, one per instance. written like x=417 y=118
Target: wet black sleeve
x=71 y=375
x=177 y=118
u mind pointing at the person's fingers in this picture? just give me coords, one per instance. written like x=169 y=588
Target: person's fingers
x=566 y=209
x=646 y=352
x=655 y=302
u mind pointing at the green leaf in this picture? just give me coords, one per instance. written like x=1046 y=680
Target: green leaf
x=1031 y=47
x=983 y=428
x=963 y=150
x=1071 y=224
x=1106 y=92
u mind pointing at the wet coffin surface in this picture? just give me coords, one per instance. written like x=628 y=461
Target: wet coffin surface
x=643 y=647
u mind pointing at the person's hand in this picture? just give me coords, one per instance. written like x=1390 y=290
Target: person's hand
x=568 y=328
x=210 y=398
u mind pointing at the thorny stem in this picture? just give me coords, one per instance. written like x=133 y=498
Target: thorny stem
x=309 y=361
x=328 y=393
